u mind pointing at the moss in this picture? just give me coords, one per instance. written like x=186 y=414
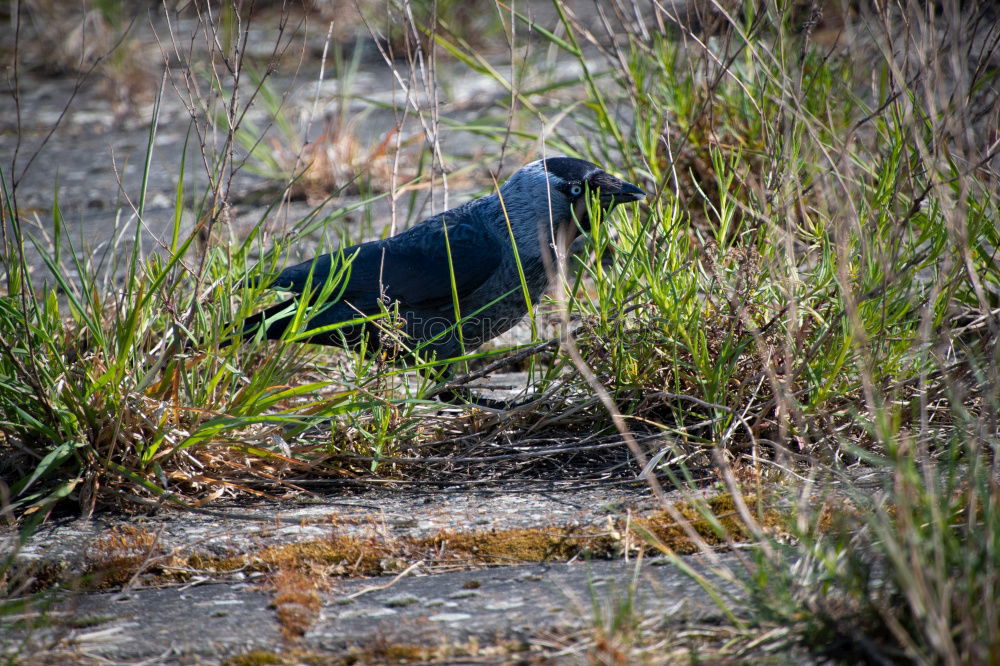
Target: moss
x=88 y=621
x=722 y=525
x=259 y=658
x=543 y=544
x=296 y=601
x=114 y=559
x=345 y=556
x=381 y=651
x=216 y=564
x=402 y=654
x=34 y=575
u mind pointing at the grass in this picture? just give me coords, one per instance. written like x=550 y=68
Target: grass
x=808 y=298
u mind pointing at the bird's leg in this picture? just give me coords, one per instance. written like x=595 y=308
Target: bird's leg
x=460 y=395
x=464 y=396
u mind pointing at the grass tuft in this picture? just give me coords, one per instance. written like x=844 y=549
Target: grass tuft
x=806 y=304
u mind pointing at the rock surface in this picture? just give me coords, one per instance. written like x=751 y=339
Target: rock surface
x=457 y=611
x=504 y=612
x=452 y=607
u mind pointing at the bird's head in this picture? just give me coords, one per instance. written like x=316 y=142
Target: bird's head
x=561 y=186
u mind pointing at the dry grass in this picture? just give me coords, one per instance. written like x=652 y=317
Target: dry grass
x=337 y=160
x=811 y=289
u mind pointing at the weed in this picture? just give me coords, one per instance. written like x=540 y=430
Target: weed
x=798 y=287
x=811 y=289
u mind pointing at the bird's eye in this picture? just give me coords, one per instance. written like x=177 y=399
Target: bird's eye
x=575 y=190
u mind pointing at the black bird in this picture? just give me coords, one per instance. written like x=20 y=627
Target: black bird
x=411 y=272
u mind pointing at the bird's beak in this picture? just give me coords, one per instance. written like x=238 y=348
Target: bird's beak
x=627 y=192
x=615 y=191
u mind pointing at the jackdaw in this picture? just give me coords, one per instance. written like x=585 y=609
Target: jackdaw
x=464 y=265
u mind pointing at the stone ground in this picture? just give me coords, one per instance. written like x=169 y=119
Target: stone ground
x=467 y=614
x=495 y=614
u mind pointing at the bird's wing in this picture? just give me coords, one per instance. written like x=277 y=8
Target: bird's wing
x=411 y=268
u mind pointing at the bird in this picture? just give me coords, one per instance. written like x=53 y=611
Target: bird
x=453 y=279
